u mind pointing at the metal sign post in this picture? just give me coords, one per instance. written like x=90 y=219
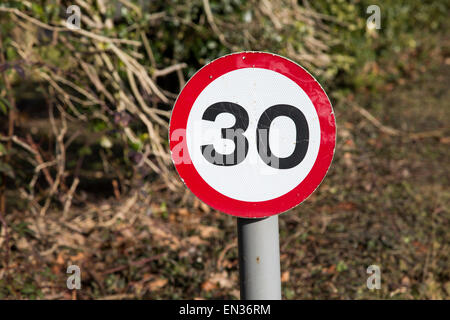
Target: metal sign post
x=252 y=134
x=259 y=258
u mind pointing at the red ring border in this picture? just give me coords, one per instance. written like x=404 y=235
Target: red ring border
x=324 y=110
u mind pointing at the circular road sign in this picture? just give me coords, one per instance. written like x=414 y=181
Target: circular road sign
x=252 y=134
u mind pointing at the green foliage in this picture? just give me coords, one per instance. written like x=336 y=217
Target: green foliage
x=4 y=105
x=6 y=168
x=369 y=58
x=341 y=266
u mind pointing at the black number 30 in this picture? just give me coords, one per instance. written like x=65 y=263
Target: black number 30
x=235 y=134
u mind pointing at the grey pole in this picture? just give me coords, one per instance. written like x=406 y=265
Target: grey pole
x=259 y=258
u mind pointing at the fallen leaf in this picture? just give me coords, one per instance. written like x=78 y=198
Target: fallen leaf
x=405 y=281
x=127 y=233
x=205 y=208
x=146 y=277
x=285 y=276
x=208 y=285
x=445 y=140
x=78 y=257
x=222 y=279
x=236 y=293
x=208 y=231
x=348 y=159
x=157 y=284
x=196 y=241
x=60 y=259
x=348 y=206
x=22 y=244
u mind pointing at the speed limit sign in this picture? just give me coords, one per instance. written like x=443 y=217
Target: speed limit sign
x=252 y=134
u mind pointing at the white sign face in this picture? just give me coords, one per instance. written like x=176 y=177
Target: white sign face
x=252 y=134
x=255 y=90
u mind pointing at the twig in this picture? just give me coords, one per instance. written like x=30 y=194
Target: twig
x=83 y=32
x=210 y=17
x=395 y=132
x=40 y=160
x=69 y=198
x=148 y=49
x=376 y=122
x=223 y=253
x=20 y=143
x=166 y=71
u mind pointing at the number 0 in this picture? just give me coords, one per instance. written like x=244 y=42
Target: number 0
x=301 y=139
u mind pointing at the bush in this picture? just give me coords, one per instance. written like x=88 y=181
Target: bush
x=94 y=103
